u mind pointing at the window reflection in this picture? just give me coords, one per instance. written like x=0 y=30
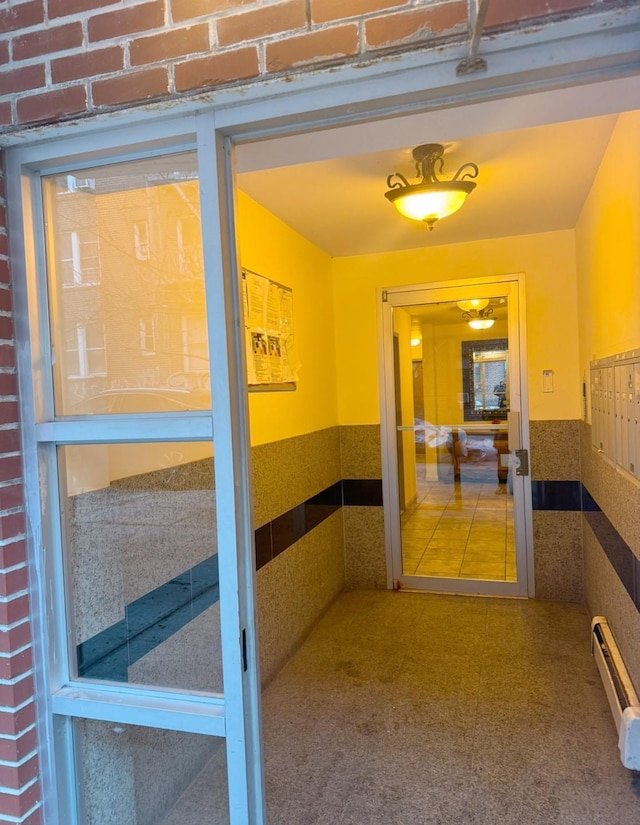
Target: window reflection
x=124 y=258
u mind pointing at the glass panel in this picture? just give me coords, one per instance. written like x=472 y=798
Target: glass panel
x=452 y=400
x=131 y=775
x=126 y=282
x=140 y=545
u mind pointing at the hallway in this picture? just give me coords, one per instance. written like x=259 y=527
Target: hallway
x=418 y=709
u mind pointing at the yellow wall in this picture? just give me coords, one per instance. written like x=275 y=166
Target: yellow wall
x=271 y=248
x=548 y=262
x=608 y=250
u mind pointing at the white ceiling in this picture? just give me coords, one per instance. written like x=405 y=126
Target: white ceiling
x=532 y=179
x=537 y=152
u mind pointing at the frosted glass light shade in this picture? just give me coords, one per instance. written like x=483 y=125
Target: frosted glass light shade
x=474 y=303
x=429 y=205
x=481 y=323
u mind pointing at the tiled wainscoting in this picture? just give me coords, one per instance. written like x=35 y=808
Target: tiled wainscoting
x=144 y=567
x=147 y=597
x=611 y=541
x=586 y=531
x=557 y=520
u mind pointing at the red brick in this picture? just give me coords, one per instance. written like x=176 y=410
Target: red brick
x=12 y=666
x=6 y=328
x=4 y=244
x=18 y=804
x=320 y=46
x=52 y=106
x=60 y=8
x=501 y=12
x=217 y=69
x=21 y=16
x=9 y=412
x=182 y=10
x=19 y=80
x=15 y=638
x=10 y=438
x=5 y=114
x=6 y=304
x=46 y=41
x=7 y=355
x=176 y=43
x=14 y=695
x=13 y=611
x=8 y=386
x=15 y=776
x=4 y=52
x=120 y=22
x=324 y=11
x=3 y=216
x=13 y=750
x=5 y=275
x=415 y=26
x=13 y=524
x=10 y=467
x=11 y=496
x=129 y=88
x=14 y=581
x=262 y=22
x=13 y=722
x=87 y=64
x=34 y=819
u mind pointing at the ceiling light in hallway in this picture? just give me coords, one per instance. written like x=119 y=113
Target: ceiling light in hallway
x=431 y=199
x=479 y=318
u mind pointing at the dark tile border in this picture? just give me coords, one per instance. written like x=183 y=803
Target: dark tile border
x=622 y=558
x=154 y=617
x=149 y=621
x=556 y=495
x=362 y=492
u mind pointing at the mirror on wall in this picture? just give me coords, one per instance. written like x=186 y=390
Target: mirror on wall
x=485 y=379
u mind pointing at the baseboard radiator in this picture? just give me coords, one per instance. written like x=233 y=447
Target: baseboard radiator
x=623 y=699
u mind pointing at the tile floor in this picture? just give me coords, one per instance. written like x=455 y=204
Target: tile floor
x=460 y=530
x=424 y=709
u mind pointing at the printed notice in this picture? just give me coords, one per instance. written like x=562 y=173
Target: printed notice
x=268 y=318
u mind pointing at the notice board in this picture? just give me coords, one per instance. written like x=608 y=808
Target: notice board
x=268 y=323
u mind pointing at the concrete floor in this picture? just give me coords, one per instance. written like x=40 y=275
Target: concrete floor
x=417 y=709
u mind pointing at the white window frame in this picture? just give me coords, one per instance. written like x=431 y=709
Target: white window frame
x=234 y=715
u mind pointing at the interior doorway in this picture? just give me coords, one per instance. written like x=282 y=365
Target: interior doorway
x=456 y=497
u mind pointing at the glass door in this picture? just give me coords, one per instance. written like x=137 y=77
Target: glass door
x=457 y=518
x=146 y=535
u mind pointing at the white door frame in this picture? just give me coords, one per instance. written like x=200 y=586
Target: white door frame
x=512 y=286
x=584 y=66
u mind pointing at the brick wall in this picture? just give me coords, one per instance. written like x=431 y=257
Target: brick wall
x=64 y=58
x=19 y=788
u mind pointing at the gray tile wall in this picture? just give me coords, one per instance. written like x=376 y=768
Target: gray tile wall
x=295 y=589
x=364 y=541
x=557 y=534
x=288 y=472
x=555 y=450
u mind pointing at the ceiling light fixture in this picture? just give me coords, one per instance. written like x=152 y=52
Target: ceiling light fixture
x=479 y=318
x=474 y=303
x=431 y=199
